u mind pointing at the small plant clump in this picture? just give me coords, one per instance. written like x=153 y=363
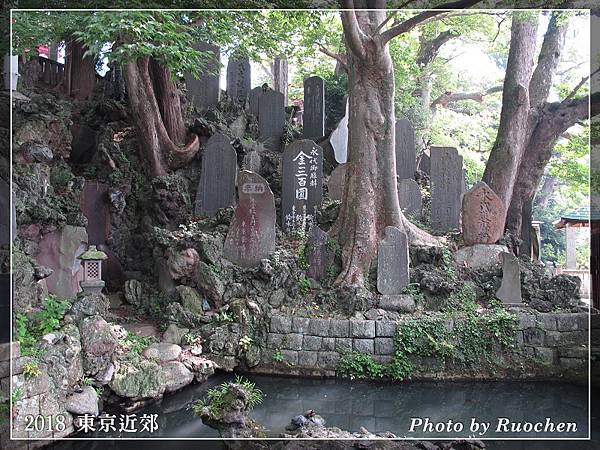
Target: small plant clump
x=31 y=328
x=219 y=399
x=136 y=344
x=360 y=365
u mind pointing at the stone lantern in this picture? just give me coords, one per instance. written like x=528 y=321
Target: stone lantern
x=92 y=270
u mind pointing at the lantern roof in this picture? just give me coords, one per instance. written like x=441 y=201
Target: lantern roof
x=92 y=253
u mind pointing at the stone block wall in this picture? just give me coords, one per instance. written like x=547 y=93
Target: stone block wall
x=37 y=398
x=311 y=346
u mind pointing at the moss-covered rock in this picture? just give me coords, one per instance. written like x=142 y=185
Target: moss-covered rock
x=138 y=378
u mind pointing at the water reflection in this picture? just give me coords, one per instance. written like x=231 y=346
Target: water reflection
x=382 y=406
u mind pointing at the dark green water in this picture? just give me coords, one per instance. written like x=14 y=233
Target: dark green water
x=387 y=407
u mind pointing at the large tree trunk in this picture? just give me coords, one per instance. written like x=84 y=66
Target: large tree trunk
x=555 y=119
x=80 y=73
x=370 y=199
x=513 y=132
x=161 y=150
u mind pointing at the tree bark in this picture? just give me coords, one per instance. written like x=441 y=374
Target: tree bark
x=513 y=132
x=161 y=151
x=547 y=122
x=370 y=199
x=169 y=102
x=545 y=193
x=80 y=73
x=555 y=119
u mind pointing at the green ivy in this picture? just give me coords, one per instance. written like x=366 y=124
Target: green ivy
x=353 y=364
x=468 y=339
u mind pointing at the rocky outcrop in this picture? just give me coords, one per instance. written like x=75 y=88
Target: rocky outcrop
x=99 y=345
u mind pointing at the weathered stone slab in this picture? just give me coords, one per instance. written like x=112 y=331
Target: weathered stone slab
x=280 y=77
x=479 y=255
x=510 y=288
x=271 y=118
x=319 y=255
x=59 y=250
x=302 y=185
x=204 y=91
x=409 y=195
x=314 y=108
x=254 y=99
x=252 y=161
x=446 y=189
x=339 y=139
x=251 y=236
x=336 y=182
x=425 y=162
x=392 y=262
x=406 y=156
x=238 y=78
x=217 y=178
x=95 y=207
x=400 y=303
x=482 y=215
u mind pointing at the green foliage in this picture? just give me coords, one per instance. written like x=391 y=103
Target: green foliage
x=136 y=344
x=31 y=370
x=277 y=356
x=245 y=343
x=448 y=263
x=16 y=395
x=414 y=290
x=52 y=314
x=468 y=339
x=570 y=162
x=220 y=397
x=462 y=300
x=225 y=317
x=304 y=284
x=353 y=364
x=31 y=328
x=303 y=256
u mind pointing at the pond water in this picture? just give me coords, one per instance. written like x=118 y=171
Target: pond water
x=380 y=406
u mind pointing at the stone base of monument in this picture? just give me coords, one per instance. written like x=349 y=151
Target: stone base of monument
x=480 y=256
x=399 y=303
x=92 y=287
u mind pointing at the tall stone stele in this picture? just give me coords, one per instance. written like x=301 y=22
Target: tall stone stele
x=92 y=270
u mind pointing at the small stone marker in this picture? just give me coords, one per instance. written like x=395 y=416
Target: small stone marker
x=280 y=77
x=252 y=161
x=254 y=99
x=319 y=255
x=482 y=215
x=238 y=78
x=409 y=195
x=204 y=91
x=336 y=182
x=251 y=235
x=302 y=185
x=314 y=108
x=392 y=262
x=406 y=156
x=510 y=288
x=446 y=188
x=425 y=163
x=217 y=178
x=271 y=118
x=339 y=139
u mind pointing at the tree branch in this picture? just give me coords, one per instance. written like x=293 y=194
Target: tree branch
x=339 y=58
x=352 y=29
x=581 y=83
x=409 y=24
x=449 y=97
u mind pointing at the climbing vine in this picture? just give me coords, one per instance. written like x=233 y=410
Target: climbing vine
x=468 y=339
